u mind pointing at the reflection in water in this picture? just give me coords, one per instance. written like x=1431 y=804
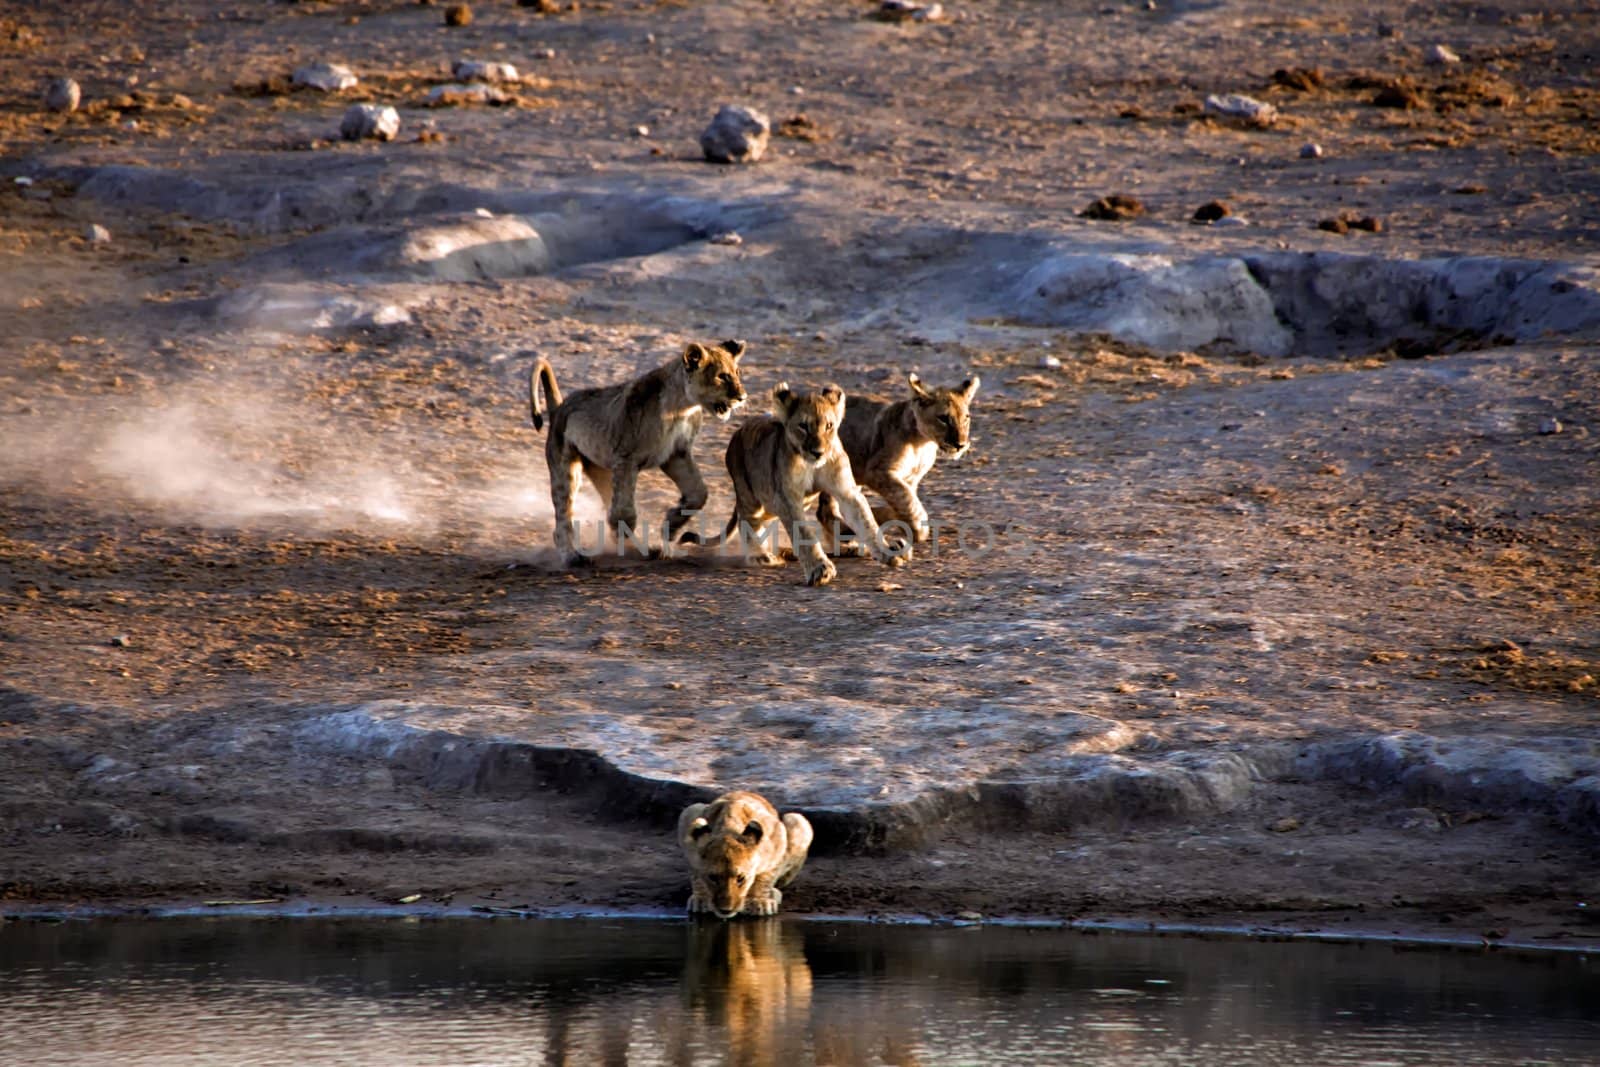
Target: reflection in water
x=758 y=992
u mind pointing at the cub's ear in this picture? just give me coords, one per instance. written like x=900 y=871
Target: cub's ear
x=752 y=832
x=918 y=390
x=734 y=349
x=970 y=386
x=698 y=828
x=694 y=355
x=833 y=394
x=782 y=398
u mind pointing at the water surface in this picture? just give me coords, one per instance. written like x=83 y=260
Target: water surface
x=476 y=991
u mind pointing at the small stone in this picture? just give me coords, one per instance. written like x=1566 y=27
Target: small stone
x=1369 y=223
x=1211 y=211
x=1337 y=225
x=546 y=53
x=727 y=237
x=1284 y=825
x=970 y=916
x=1231 y=221
x=928 y=13
x=1470 y=189
x=456 y=95
x=1416 y=819
x=97 y=234
x=736 y=135
x=641 y=131
x=1440 y=55
x=1243 y=110
x=325 y=77
x=1114 y=208
x=477 y=70
x=22 y=181
x=458 y=15
x=121 y=641
x=62 y=94
x=1387 y=30
x=376 y=121
x=1049 y=362
x=1311 y=150
x=1550 y=425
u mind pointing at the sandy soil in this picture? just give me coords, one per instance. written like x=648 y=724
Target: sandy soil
x=211 y=522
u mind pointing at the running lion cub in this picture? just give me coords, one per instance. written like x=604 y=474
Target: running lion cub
x=614 y=432
x=741 y=854
x=781 y=463
x=892 y=447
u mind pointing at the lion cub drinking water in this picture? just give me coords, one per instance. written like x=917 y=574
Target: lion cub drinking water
x=741 y=854
x=892 y=446
x=781 y=463
x=612 y=433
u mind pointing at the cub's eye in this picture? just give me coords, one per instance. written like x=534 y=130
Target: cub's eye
x=827 y=427
x=725 y=379
x=739 y=878
x=947 y=420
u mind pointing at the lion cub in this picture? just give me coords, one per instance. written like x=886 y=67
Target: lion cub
x=613 y=432
x=781 y=463
x=741 y=854
x=892 y=446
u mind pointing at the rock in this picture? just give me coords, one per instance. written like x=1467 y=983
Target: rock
x=1311 y=150
x=908 y=11
x=1113 y=208
x=1303 y=79
x=62 y=94
x=325 y=77
x=1369 y=223
x=477 y=70
x=1049 y=362
x=121 y=641
x=970 y=916
x=1337 y=225
x=376 y=121
x=736 y=135
x=1348 y=221
x=1550 y=425
x=727 y=237
x=97 y=234
x=1211 y=211
x=1243 y=110
x=458 y=15
x=1230 y=221
x=544 y=7
x=454 y=95
x=1287 y=824
x=641 y=131
x=1440 y=56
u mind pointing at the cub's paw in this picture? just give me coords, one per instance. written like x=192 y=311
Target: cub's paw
x=696 y=906
x=767 y=905
x=852 y=550
x=924 y=534
x=821 y=575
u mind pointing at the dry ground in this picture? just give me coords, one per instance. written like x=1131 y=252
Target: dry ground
x=205 y=528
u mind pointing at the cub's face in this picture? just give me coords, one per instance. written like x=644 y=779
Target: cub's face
x=944 y=415
x=810 y=420
x=728 y=865
x=713 y=376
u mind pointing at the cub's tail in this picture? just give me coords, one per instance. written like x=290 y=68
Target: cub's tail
x=542 y=377
x=689 y=537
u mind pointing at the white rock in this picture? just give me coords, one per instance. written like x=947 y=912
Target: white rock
x=1550 y=426
x=641 y=131
x=727 y=237
x=325 y=77
x=1311 y=150
x=1230 y=220
x=476 y=93
x=1049 y=362
x=1246 y=110
x=476 y=70
x=62 y=94
x=96 y=234
x=22 y=181
x=928 y=13
x=377 y=121
x=1440 y=56
x=736 y=135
